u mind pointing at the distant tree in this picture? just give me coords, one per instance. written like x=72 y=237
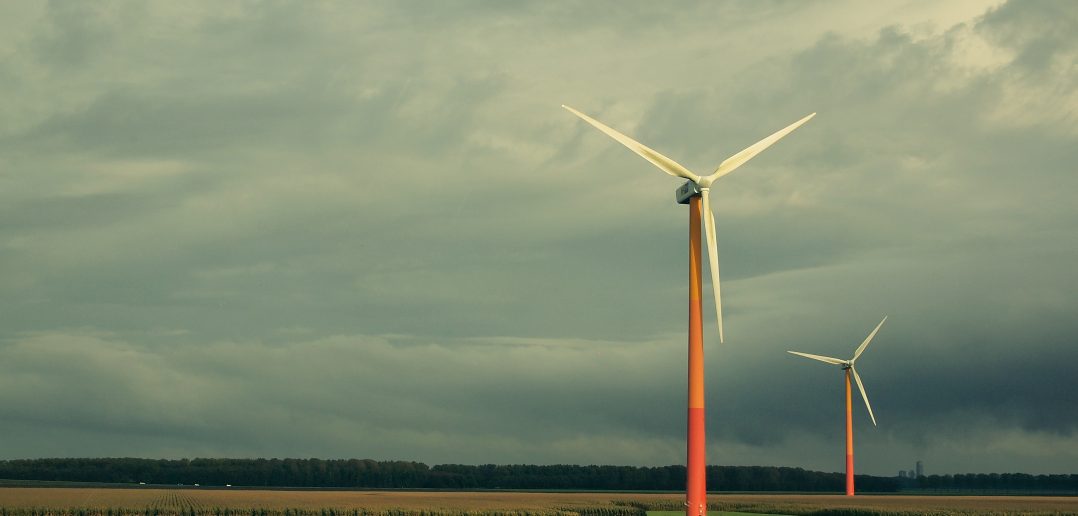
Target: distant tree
x=366 y=473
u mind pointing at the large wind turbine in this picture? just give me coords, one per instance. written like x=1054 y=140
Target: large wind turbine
x=696 y=193
x=848 y=366
x=702 y=184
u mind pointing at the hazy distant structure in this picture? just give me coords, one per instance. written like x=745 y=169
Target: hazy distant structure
x=920 y=469
x=912 y=474
x=902 y=473
x=848 y=367
x=695 y=193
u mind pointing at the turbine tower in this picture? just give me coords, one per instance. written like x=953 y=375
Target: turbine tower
x=848 y=366
x=696 y=193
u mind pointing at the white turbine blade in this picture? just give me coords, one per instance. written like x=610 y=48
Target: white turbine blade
x=740 y=158
x=712 y=254
x=821 y=358
x=864 y=396
x=861 y=348
x=666 y=164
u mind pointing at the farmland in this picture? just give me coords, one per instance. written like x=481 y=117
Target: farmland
x=20 y=501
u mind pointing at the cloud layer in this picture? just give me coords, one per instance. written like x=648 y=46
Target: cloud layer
x=278 y=229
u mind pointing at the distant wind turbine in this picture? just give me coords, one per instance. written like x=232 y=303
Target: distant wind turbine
x=698 y=188
x=848 y=366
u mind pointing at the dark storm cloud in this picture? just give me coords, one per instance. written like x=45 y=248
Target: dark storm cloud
x=73 y=34
x=1039 y=32
x=128 y=123
x=360 y=390
x=135 y=124
x=89 y=210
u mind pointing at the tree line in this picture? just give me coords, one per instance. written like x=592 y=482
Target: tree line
x=1011 y=482
x=355 y=473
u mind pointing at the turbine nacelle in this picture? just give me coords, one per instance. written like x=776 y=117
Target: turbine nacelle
x=686 y=191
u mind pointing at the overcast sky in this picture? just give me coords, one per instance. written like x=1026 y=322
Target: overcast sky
x=296 y=229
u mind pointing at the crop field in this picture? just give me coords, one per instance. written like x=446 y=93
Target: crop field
x=371 y=501
x=29 y=501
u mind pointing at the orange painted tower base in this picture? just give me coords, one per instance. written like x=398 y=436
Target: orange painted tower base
x=849 y=438
x=696 y=457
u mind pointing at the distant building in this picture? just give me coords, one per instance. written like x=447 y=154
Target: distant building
x=902 y=473
x=912 y=474
x=920 y=469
